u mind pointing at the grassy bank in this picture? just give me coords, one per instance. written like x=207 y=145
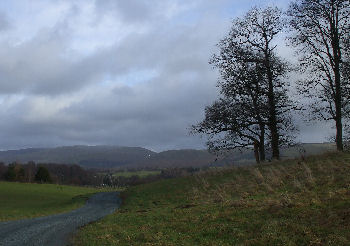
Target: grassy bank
x=283 y=203
x=21 y=200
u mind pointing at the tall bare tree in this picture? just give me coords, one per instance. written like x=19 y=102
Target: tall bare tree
x=254 y=101
x=238 y=119
x=321 y=30
x=257 y=32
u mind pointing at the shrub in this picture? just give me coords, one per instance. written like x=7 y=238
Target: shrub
x=43 y=175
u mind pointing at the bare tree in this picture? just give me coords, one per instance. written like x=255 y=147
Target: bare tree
x=321 y=29
x=258 y=32
x=236 y=121
x=254 y=102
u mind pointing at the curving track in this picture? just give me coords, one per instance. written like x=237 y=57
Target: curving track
x=55 y=230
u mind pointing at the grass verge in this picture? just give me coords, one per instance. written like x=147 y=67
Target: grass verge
x=22 y=200
x=282 y=203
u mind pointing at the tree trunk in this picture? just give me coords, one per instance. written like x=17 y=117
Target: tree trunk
x=338 y=111
x=256 y=151
x=262 y=143
x=338 y=89
x=272 y=110
x=339 y=137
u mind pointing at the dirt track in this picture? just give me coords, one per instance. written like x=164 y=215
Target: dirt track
x=55 y=230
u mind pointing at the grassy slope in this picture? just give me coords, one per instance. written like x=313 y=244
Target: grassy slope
x=284 y=203
x=20 y=200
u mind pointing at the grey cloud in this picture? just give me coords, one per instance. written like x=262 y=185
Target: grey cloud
x=4 y=22
x=141 y=120
x=142 y=11
x=132 y=10
x=39 y=66
x=155 y=113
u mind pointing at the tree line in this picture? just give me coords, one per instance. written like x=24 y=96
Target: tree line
x=49 y=173
x=65 y=174
x=255 y=107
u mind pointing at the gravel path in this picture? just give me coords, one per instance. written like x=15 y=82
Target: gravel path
x=54 y=230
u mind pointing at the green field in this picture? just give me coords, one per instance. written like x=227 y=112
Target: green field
x=141 y=174
x=21 y=200
x=282 y=203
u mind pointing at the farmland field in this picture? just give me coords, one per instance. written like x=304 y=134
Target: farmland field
x=23 y=200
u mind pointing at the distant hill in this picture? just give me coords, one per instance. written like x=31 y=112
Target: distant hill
x=181 y=158
x=117 y=157
x=87 y=156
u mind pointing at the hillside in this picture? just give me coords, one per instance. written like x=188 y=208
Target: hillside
x=292 y=202
x=87 y=156
x=133 y=157
x=110 y=157
x=181 y=158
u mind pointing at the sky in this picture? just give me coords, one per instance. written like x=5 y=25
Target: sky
x=113 y=72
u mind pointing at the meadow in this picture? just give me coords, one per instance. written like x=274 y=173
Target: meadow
x=292 y=202
x=24 y=200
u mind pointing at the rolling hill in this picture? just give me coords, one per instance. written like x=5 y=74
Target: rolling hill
x=133 y=157
x=87 y=156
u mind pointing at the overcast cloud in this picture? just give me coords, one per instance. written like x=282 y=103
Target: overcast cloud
x=132 y=73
